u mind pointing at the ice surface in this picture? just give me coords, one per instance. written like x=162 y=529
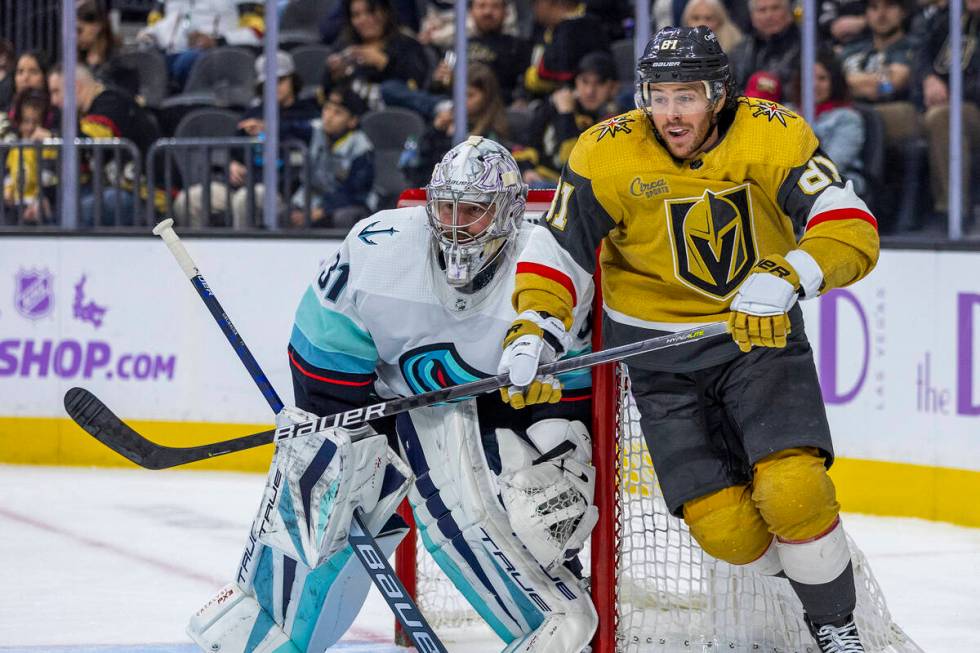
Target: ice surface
x=115 y=561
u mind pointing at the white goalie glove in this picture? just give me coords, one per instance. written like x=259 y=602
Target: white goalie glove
x=548 y=489
x=532 y=340
x=317 y=481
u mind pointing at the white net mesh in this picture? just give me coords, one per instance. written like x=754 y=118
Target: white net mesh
x=671 y=595
x=440 y=601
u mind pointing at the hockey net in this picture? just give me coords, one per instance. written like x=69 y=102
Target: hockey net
x=655 y=589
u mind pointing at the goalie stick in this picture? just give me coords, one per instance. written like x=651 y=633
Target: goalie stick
x=364 y=545
x=100 y=422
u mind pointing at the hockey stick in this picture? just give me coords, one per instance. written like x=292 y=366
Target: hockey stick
x=366 y=548
x=96 y=418
x=165 y=229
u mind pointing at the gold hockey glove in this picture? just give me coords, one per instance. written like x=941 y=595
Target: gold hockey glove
x=543 y=390
x=759 y=316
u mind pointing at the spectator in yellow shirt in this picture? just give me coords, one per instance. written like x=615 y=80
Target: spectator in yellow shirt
x=22 y=184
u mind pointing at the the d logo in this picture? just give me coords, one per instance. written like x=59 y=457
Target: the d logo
x=829 y=304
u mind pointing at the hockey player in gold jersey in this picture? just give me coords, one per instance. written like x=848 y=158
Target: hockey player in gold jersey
x=712 y=207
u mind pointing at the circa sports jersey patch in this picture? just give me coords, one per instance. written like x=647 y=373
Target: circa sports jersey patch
x=713 y=244
x=612 y=127
x=648 y=189
x=769 y=110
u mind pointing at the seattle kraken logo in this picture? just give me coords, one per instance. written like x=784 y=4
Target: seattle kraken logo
x=437 y=366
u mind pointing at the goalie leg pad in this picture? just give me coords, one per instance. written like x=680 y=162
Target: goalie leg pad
x=234 y=622
x=463 y=525
x=315 y=484
x=559 y=632
x=548 y=489
x=288 y=607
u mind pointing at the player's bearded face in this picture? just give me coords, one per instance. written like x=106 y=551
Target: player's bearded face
x=683 y=116
x=467 y=221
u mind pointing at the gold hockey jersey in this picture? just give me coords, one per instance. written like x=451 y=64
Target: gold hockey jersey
x=679 y=237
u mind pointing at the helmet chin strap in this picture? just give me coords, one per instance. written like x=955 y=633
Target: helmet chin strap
x=712 y=126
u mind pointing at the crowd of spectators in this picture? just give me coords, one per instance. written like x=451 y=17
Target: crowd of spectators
x=539 y=73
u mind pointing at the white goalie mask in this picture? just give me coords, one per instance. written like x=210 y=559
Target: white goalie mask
x=474 y=202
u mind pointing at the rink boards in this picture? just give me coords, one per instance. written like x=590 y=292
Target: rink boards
x=898 y=356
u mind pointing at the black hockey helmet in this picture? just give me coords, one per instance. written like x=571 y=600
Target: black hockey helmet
x=684 y=54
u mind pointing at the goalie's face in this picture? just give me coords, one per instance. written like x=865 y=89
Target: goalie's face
x=474 y=203
x=463 y=222
x=683 y=115
x=468 y=234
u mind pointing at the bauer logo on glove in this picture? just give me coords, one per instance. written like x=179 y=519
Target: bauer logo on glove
x=534 y=339
x=760 y=309
x=769 y=265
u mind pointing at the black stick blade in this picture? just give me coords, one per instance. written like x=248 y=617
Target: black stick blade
x=102 y=424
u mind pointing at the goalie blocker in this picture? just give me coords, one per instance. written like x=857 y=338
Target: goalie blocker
x=303 y=586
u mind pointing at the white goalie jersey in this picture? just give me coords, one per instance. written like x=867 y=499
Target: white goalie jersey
x=379 y=315
x=381 y=318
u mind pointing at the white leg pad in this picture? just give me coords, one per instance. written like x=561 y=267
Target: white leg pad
x=816 y=561
x=570 y=632
x=768 y=564
x=315 y=484
x=463 y=525
x=227 y=623
x=283 y=597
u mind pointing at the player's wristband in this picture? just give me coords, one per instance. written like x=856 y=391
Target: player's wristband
x=811 y=276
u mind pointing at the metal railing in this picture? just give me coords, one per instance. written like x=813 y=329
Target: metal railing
x=109 y=172
x=22 y=177
x=197 y=182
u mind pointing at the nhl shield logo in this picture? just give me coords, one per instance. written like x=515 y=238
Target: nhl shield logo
x=34 y=293
x=714 y=247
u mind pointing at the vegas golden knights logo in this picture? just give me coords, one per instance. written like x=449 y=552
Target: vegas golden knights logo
x=713 y=244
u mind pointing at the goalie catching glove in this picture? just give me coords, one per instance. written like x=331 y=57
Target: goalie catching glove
x=532 y=340
x=760 y=310
x=548 y=488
